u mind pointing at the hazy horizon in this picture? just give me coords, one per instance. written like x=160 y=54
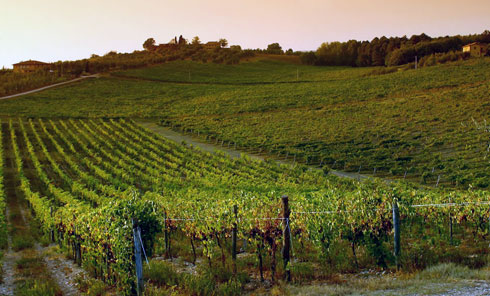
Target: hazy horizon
x=68 y=30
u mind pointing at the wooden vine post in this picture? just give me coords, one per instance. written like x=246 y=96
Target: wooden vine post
x=234 y=239
x=396 y=225
x=286 y=242
x=138 y=261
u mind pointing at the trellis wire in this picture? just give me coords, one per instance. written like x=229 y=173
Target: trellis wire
x=452 y=204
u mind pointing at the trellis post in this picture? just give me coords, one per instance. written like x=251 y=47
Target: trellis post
x=234 y=239
x=286 y=242
x=396 y=225
x=138 y=261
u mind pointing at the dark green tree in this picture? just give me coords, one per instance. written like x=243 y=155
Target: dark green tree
x=223 y=42
x=196 y=40
x=149 y=44
x=274 y=48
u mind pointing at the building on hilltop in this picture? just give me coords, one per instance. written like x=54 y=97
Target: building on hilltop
x=476 y=49
x=166 y=45
x=212 y=45
x=30 y=66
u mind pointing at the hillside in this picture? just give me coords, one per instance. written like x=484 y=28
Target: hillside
x=419 y=124
x=99 y=183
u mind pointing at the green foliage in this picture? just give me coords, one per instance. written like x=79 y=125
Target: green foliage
x=90 y=286
x=308 y=58
x=117 y=159
x=149 y=44
x=3 y=196
x=22 y=241
x=417 y=113
x=105 y=233
x=391 y=51
x=274 y=48
x=442 y=58
x=12 y=82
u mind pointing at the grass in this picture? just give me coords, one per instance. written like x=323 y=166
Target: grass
x=32 y=277
x=92 y=287
x=35 y=287
x=22 y=242
x=261 y=71
x=433 y=280
x=163 y=277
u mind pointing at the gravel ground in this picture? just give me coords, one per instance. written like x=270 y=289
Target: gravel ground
x=474 y=288
x=63 y=271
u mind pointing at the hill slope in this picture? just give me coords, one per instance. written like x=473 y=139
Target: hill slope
x=421 y=123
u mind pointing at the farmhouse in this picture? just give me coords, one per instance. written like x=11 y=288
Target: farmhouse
x=212 y=45
x=166 y=45
x=30 y=66
x=476 y=49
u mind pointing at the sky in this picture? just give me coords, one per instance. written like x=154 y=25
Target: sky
x=53 y=30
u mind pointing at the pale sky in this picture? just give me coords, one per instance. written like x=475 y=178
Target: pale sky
x=52 y=30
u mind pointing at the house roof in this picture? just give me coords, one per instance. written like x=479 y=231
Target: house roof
x=31 y=62
x=474 y=43
x=213 y=43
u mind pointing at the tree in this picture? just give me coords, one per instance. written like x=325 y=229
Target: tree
x=182 y=41
x=274 y=48
x=149 y=44
x=308 y=58
x=223 y=42
x=196 y=40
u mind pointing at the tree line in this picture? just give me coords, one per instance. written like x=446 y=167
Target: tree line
x=13 y=82
x=385 y=51
x=181 y=49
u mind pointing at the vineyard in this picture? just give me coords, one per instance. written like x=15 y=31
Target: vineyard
x=426 y=126
x=3 y=220
x=91 y=183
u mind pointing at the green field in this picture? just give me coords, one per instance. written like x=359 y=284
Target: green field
x=86 y=179
x=421 y=124
x=90 y=174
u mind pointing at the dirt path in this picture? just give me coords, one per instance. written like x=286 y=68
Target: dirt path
x=47 y=87
x=473 y=288
x=178 y=137
x=62 y=270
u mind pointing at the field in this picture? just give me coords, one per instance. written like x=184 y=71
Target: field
x=76 y=173
x=96 y=182
x=424 y=125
